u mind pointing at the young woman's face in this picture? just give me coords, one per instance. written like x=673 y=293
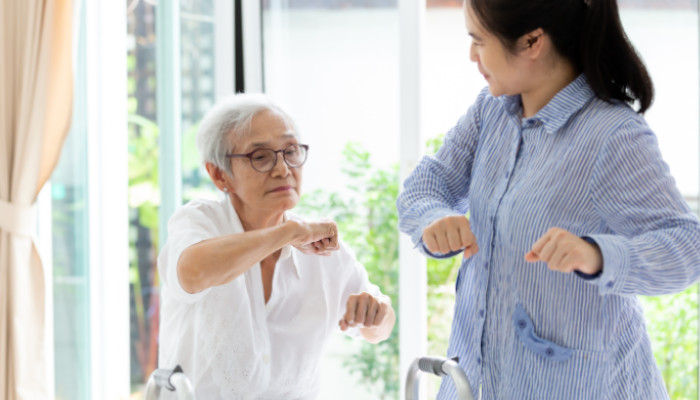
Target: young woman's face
x=504 y=72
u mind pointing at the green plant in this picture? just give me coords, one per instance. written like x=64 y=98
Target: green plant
x=144 y=200
x=672 y=322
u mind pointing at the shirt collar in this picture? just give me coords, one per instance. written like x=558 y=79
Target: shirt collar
x=289 y=253
x=560 y=109
x=286 y=252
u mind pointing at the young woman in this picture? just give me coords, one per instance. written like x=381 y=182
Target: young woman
x=573 y=212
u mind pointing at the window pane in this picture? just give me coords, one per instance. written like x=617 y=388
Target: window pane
x=198 y=91
x=69 y=193
x=196 y=38
x=333 y=65
x=144 y=192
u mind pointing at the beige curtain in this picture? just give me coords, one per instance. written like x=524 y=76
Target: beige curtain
x=35 y=109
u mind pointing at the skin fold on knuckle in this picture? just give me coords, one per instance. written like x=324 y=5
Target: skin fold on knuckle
x=363 y=310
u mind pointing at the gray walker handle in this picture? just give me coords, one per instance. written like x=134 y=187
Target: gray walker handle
x=438 y=366
x=171 y=379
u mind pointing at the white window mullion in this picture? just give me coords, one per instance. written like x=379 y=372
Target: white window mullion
x=412 y=274
x=252 y=46
x=107 y=198
x=225 y=67
x=168 y=61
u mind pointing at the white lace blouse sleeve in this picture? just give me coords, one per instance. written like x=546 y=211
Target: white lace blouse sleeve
x=189 y=225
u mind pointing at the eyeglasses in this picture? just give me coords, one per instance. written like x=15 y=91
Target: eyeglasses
x=264 y=160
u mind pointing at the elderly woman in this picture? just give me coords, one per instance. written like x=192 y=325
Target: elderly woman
x=250 y=292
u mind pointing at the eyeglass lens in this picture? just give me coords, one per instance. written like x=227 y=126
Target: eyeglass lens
x=264 y=160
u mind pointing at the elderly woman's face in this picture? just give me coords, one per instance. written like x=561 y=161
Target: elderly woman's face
x=276 y=190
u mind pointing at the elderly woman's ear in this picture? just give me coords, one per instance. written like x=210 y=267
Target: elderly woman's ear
x=218 y=176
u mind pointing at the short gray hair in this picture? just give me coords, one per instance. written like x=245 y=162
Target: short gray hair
x=233 y=113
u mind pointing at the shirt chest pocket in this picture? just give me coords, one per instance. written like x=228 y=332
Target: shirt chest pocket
x=542 y=369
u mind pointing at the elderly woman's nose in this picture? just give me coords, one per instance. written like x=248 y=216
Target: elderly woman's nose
x=281 y=166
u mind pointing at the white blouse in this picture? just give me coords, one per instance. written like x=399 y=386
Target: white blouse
x=232 y=345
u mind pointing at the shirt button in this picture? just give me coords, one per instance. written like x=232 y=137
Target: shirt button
x=486 y=265
x=266 y=359
x=507 y=174
x=610 y=284
x=481 y=313
x=522 y=324
x=478 y=360
x=549 y=352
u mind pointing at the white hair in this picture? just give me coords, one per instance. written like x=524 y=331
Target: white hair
x=232 y=114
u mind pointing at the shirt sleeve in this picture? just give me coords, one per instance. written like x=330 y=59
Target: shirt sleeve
x=439 y=185
x=650 y=246
x=188 y=226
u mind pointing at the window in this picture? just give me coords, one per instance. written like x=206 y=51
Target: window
x=70 y=244
x=88 y=190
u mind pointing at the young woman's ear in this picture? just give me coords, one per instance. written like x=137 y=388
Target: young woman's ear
x=533 y=41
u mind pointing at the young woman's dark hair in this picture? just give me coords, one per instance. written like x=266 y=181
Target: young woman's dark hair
x=587 y=32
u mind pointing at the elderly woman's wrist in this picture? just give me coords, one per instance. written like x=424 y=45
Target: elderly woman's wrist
x=291 y=231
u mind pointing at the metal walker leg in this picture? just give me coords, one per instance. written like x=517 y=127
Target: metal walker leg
x=171 y=379
x=438 y=366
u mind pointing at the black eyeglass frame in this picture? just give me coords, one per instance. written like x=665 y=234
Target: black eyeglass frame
x=284 y=156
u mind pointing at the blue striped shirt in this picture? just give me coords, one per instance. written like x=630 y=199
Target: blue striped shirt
x=521 y=330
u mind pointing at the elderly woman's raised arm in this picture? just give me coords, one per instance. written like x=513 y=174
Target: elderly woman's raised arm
x=219 y=260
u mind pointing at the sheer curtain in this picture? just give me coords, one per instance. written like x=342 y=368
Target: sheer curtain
x=35 y=110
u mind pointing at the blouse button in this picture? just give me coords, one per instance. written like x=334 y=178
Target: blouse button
x=549 y=351
x=610 y=284
x=522 y=324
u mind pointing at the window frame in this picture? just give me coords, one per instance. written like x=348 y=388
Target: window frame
x=106 y=82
